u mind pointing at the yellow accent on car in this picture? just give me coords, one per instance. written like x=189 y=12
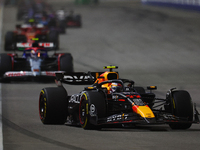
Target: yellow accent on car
x=31 y=20
x=145 y=112
x=87 y=103
x=97 y=74
x=90 y=87
x=173 y=102
x=110 y=67
x=152 y=87
x=42 y=91
x=85 y=123
x=35 y=39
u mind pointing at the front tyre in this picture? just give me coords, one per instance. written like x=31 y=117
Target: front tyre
x=182 y=107
x=53 y=105
x=5 y=64
x=9 y=41
x=54 y=38
x=92 y=106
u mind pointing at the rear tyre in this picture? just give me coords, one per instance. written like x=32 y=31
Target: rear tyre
x=62 y=27
x=53 y=105
x=9 y=41
x=92 y=106
x=78 y=20
x=181 y=104
x=5 y=64
x=66 y=63
x=53 y=37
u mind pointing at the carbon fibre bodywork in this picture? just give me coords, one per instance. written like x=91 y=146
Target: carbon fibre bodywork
x=111 y=100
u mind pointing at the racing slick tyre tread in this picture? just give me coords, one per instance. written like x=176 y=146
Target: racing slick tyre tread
x=9 y=41
x=5 y=64
x=92 y=104
x=62 y=27
x=53 y=37
x=53 y=105
x=66 y=63
x=182 y=107
x=78 y=19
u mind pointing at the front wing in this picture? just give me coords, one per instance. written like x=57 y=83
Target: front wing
x=133 y=118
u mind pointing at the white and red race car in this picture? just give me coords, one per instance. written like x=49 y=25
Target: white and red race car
x=34 y=62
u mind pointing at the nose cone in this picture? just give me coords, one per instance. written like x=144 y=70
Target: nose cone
x=143 y=111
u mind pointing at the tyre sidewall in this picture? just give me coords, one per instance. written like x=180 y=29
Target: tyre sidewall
x=66 y=63
x=5 y=63
x=55 y=105
x=95 y=108
x=182 y=107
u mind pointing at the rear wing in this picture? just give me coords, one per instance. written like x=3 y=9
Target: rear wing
x=78 y=78
x=27 y=45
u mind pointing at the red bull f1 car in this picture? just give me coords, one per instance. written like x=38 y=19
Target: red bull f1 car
x=111 y=100
x=34 y=63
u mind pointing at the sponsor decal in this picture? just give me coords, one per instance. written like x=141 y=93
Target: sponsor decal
x=114 y=96
x=74 y=99
x=50 y=73
x=36 y=70
x=77 y=78
x=119 y=117
x=15 y=74
x=92 y=110
x=30 y=44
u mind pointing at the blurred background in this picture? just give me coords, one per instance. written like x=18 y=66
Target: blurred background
x=153 y=42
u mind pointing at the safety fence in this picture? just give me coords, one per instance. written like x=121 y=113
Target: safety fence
x=86 y=1
x=187 y=4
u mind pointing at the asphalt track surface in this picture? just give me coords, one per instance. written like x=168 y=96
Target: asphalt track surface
x=151 y=45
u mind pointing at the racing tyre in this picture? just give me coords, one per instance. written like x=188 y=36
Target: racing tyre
x=53 y=37
x=181 y=104
x=66 y=63
x=5 y=64
x=78 y=20
x=9 y=41
x=19 y=14
x=92 y=106
x=53 y=105
x=62 y=27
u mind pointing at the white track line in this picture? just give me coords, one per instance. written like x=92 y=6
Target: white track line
x=1 y=129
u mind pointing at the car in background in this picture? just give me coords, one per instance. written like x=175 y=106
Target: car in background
x=28 y=33
x=34 y=63
x=73 y=20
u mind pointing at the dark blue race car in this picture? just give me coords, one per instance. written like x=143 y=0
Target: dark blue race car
x=34 y=62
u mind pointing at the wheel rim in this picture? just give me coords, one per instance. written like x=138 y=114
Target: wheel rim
x=82 y=111
x=41 y=107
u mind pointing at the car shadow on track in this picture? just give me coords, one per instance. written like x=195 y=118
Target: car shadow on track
x=143 y=128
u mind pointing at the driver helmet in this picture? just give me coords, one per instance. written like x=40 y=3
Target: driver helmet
x=33 y=54
x=116 y=87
